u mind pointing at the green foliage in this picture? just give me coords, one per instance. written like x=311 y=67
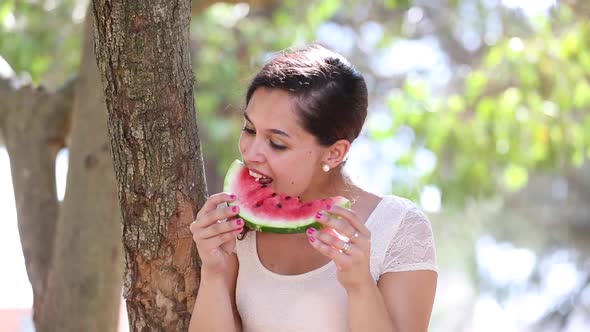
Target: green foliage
x=41 y=39
x=524 y=108
x=521 y=107
x=393 y=4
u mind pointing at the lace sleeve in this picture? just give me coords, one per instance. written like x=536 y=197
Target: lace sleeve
x=412 y=246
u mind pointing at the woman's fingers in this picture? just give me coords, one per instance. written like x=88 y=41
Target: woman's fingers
x=206 y=218
x=213 y=201
x=220 y=239
x=339 y=225
x=224 y=227
x=218 y=214
x=353 y=220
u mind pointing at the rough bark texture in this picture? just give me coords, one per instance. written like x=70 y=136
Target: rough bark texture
x=85 y=281
x=143 y=55
x=34 y=124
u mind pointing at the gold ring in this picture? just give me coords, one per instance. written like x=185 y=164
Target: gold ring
x=345 y=247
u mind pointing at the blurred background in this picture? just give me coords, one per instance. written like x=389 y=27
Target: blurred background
x=479 y=111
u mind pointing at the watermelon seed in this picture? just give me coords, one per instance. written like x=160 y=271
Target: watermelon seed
x=274 y=194
x=264 y=186
x=288 y=197
x=279 y=205
x=258 y=204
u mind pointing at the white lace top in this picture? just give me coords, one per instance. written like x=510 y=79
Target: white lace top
x=401 y=240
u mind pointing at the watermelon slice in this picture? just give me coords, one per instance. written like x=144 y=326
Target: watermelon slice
x=266 y=211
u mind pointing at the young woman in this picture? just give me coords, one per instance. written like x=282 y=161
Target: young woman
x=303 y=111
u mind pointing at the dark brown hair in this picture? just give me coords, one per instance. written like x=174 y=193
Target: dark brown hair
x=330 y=94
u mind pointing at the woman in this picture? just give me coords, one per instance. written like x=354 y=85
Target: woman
x=303 y=111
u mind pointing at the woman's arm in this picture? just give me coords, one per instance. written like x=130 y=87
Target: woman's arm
x=409 y=297
x=402 y=299
x=367 y=310
x=400 y=302
x=215 y=308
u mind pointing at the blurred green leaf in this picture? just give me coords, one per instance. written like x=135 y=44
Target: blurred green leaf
x=570 y=45
x=515 y=177
x=582 y=95
x=393 y=4
x=456 y=103
x=417 y=89
x=5 y=9
x=476 y=83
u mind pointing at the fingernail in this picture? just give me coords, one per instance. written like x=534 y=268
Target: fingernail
x=232 y=196
x=311 y=239
x=318 y=215
x=310 y=231
x=239 y=222
x=234 y=209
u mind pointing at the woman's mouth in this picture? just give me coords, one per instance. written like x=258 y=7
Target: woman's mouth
x=263 y=179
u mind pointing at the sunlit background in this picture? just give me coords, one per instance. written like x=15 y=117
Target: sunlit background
x=508 y=194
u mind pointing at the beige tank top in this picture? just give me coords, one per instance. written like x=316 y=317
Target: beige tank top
x=401 y=240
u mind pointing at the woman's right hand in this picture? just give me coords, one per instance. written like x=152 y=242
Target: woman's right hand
x=216 y=240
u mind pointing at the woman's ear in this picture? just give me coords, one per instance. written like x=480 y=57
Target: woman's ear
x=336 y=153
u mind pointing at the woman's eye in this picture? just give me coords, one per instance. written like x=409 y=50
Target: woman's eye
x=277 y=146
x=273 y=145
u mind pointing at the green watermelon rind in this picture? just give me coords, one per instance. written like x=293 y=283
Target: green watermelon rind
x=281 y=230
x=233 y=170
x=273 y=226
x=286 y=227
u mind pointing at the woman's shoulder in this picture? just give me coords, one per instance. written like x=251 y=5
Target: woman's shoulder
x=395 y=216
x=393 y=205
x=406 y=237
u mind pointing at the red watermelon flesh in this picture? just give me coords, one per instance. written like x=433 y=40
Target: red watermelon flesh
x=264 y=210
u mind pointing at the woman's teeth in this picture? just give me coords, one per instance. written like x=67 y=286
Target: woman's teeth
x=256 y=175
x=260 y=178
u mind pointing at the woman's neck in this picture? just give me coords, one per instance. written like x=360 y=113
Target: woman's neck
x=336 y=185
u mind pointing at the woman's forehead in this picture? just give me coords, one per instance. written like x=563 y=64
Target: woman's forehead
x=273 y=109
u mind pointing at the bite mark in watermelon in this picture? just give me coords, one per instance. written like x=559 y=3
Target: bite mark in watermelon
x=264 y=210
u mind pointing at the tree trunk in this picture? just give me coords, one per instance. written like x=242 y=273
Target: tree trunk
x=143 y=56
x=34 y=127
x=84 y=285
x=72 y=250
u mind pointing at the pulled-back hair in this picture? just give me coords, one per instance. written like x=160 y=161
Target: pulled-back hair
x=330 y=94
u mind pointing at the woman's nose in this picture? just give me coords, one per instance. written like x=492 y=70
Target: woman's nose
x=253 y=153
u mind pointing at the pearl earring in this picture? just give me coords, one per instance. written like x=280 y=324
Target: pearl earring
x=326 y=168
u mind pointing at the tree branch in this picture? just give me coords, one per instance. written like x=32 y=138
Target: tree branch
x=59 y=116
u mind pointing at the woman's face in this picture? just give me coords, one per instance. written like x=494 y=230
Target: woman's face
x=274 y=144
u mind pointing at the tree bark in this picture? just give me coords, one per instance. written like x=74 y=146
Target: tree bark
x=84 y=285
x=143 y=55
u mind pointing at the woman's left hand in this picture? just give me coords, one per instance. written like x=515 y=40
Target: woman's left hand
x=350 y=256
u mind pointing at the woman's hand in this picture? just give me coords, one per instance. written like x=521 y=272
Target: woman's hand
x=215 y=238
x=350 y=255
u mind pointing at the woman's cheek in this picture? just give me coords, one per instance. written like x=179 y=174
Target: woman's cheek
x=288 y=186
x=242 y=145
